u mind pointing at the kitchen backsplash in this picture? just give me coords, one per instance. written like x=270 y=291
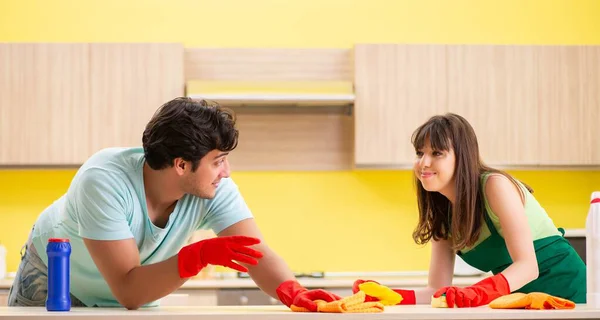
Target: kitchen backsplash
x=318 y=221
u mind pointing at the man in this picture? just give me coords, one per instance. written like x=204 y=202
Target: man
x=129 y=212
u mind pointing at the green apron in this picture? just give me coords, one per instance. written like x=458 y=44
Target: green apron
x=562 y=273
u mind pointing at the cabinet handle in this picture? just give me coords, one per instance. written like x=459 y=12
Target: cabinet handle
x=243 y=300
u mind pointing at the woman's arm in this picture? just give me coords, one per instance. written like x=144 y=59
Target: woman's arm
x=441 y=270
x=506 y=202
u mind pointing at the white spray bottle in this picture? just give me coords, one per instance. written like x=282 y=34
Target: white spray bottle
x=592 y=251
x=2 y=261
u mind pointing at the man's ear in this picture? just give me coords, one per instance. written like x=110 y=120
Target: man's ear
x=180 y=165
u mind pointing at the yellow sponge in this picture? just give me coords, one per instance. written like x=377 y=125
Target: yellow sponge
x=386 y=296
x=439 y=302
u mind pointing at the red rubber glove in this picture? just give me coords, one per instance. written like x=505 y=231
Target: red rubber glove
x=293 y=293
x=408 y=296
x=479 y=294
x=218 y=251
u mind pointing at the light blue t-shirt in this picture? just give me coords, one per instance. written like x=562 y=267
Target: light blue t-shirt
x=106 y=201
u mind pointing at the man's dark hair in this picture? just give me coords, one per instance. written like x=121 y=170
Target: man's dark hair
x=188 y=129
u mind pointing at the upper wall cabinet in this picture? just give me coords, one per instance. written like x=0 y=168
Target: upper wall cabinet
x=529 y=105
x=397 y=88
x=128 y=83
x=494 y=88
x=59 y=103
x=291 y=104
x=569 y=108
x=44 y=103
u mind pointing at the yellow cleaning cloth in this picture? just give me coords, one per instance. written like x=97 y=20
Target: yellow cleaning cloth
x=352 y=304
x=386 y=296
x=533 y=300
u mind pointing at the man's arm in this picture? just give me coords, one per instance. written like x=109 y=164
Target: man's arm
x=133 y=285
x=271 y=270
x=105 y=231
x=272 y=274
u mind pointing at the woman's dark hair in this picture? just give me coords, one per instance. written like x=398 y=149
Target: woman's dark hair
x=188 y=129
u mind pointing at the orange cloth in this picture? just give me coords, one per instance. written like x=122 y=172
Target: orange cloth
x=352 y=304
x=533 y=300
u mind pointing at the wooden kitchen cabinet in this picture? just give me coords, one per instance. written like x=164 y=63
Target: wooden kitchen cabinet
x=292 y=105
x=256 y=297
x=244 y=297
x=569 y=108
x=3 y=298
x=494 y=88
x=529 y=105
x=128 y=83
x=397 y=88
x=191 y=297
x=44 y=109
x=60 y=103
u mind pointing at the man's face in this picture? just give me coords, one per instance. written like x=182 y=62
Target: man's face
x=204 y=181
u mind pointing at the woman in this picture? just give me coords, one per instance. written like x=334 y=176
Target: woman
x=489 y=219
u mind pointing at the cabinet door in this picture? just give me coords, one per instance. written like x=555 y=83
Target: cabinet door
x=397 y=87
x=191 y=297
x=44 y=111
x=342 y=292
x=202 y=297
x=293 y=140
x=3 y=298
x=129 y=82
x=493 y=87
x=244 y=297
x=569 y=108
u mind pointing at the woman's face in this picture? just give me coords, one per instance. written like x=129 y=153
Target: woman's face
x=435 y=169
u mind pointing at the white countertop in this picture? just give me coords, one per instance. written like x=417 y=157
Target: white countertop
x=404 y=282
x=421 y=312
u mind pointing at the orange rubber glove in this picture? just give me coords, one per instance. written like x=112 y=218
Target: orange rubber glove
x=291 y=292
x=479 y=294
x=218 y=251
x=408 y=296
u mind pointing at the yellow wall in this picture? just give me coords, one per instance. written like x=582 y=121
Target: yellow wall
x=302 y=23
x=372 y=210
x=340 y=221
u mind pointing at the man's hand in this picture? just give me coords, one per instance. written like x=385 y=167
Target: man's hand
x=293 y=293
x=218 y=251
x=479 y=294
